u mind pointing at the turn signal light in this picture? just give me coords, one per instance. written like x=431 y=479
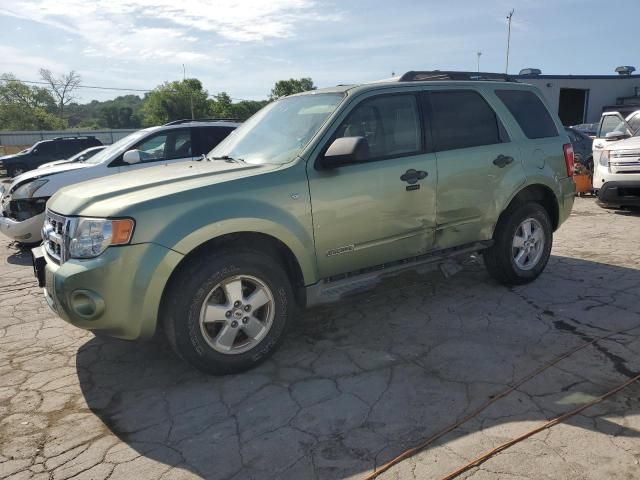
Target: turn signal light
x=121 y=231
x=569 y=158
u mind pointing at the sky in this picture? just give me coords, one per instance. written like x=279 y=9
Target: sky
x=243 y=47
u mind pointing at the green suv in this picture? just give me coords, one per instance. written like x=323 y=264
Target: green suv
x=317 y=195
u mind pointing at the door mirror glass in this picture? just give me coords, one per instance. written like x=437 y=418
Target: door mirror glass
x=131 y=157
x=345 y=150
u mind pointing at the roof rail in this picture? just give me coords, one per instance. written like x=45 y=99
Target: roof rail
x=435 y=75
x=69 y=137
x=188 y=120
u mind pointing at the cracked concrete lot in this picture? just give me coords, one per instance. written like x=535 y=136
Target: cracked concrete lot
x=354 y=384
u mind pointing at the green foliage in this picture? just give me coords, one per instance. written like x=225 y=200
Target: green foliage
x=174 y=101
x=283 y=88
x=121 y=112
x=23 y=107
x=221 y=106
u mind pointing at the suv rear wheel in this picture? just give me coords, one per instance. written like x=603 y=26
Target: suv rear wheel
x=522 y=245
x=228 y=312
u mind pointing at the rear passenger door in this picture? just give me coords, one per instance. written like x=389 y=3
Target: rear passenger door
x=477 y=164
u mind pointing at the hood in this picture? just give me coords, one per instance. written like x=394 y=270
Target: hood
x=632 y=143
x=48 y=171
x=11 y=157
x=113 y=195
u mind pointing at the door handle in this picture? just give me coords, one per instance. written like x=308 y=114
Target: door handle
x=412 y=176
x=502 y=160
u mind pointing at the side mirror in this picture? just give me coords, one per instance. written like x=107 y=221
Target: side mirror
x=344 y=151
x=616 y=135
x=131 y=156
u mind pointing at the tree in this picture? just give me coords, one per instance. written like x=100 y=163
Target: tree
x=221 y=106
x=23 y=107
x=62 y=87
x=174 y=101
x=283 y=88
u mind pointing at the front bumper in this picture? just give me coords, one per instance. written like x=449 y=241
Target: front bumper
x=620 y=194
x=117 y=293
x=27 y=231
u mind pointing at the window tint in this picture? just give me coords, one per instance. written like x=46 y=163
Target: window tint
x=462 y=119
x=390 y=124
x=47 y=148
x=166 y=146
x=66 y=148
x=529 y=112
x=209 y=137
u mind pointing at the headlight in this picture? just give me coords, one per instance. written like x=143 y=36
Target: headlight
x=27 y=190
x=604 y=158
x=92 y=236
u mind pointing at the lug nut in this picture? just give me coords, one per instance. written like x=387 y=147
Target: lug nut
x=236 y=303
x=247 y=308
x=234 y=324
x=228 y=313
x=245 y=320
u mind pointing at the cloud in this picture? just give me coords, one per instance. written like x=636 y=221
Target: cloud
x=23 y=65
x=166 y=30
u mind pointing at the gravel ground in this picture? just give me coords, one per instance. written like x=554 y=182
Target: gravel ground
x=353 y=385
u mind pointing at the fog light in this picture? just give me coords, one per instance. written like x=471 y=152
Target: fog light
x=87 y=304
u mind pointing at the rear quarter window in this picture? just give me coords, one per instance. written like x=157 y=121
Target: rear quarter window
x=530 y=113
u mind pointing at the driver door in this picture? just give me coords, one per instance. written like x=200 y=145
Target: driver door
x=168 y=146
x=610 y=122
x=373 y=212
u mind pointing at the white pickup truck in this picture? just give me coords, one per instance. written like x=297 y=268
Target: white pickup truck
x=616 y=159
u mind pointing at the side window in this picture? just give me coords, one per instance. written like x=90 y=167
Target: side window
x=390 y=124
x=634 y=122
x=209 y=137
x=530 y=113
x=168 y=145
x=612 y=123
x=463 y=119
x=66 y=148
x=47 y=149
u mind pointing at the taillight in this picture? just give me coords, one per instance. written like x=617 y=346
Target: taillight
x=569 y=158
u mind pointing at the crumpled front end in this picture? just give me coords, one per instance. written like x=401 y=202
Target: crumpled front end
x=21 y=220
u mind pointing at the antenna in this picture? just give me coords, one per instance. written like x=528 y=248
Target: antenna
x=479 y=55
x=506 y=70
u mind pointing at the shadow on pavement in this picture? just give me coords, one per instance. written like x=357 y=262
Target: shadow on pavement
x=357 y=383
x=21 y=256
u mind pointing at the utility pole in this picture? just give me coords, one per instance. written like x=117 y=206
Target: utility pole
x=184 y=78
x=506 y=70
x=479 y=54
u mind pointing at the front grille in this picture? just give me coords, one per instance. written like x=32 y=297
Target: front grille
x=55 y=236
x=625 y=161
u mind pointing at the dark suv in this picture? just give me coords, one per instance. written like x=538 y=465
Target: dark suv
x=45 y=151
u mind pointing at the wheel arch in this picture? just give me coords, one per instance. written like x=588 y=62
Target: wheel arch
x=262 y=242
x=538 y=193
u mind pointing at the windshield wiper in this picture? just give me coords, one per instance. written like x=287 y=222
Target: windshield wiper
x=227 y=158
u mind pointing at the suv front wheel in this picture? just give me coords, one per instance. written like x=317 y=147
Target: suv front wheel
x=228 y=312
x=522 y=245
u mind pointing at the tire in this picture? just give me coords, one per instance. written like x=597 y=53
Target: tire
x=16 y=170
x=501 y=259
x=224 y=345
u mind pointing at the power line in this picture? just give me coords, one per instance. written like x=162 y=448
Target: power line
x=95 y=87
x=88 y=86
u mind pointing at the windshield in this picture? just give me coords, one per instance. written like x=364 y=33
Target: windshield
x=278 y=132
x=115 y=148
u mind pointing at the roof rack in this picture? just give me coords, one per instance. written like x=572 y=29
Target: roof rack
x=188 y=120
x=435 y=75
x=71 y=137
